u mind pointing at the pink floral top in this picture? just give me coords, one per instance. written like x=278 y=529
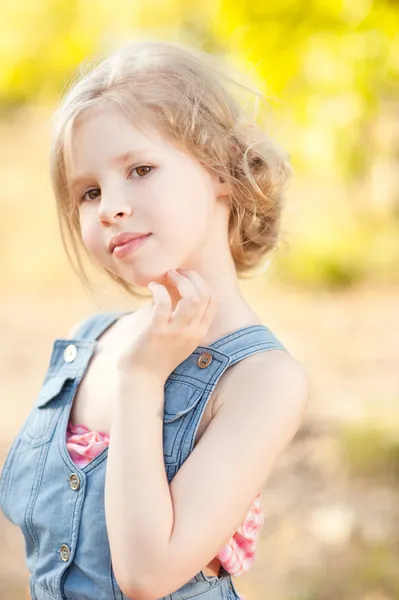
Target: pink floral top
x=236 y=556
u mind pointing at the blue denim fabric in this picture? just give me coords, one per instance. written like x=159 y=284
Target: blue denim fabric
x=62 y=518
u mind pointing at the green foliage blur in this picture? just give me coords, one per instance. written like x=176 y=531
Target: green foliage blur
x=329 y=70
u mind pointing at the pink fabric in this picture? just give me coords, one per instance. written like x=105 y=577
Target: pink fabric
x=237 y=556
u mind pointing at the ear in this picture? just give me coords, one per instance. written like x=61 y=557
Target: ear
x=222 y=188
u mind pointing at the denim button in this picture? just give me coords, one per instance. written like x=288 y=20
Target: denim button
x=70 y=353
x=74 y=481
x=65 y=552
x=204 y=360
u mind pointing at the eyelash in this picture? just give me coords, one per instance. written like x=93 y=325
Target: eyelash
x=82 y=196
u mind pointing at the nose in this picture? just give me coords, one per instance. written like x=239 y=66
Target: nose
x=113 y=206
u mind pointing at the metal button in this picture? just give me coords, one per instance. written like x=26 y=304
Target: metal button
x=74 y=481
x=204 y=360
x=65 y=552
x=70 y=353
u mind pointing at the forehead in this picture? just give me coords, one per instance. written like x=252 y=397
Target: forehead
x=109 y=129
x=107 y=137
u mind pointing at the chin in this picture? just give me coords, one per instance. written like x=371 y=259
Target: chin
x=143 y=278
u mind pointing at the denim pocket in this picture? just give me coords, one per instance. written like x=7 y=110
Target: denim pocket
x=39 y=425
x=181 y=399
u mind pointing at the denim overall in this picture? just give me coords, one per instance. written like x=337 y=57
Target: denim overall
x=60 y=507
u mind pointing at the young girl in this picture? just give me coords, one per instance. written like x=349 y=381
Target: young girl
x=137 y=474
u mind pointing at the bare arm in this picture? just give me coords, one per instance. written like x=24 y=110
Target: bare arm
x=138 y=503
x=152 y=525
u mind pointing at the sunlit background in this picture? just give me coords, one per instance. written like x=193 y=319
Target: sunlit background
x=329 y=69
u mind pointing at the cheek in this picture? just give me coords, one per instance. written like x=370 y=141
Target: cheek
x=90 y=234
x=186 y=208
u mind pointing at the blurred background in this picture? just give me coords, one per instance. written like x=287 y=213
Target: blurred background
x=329 y=70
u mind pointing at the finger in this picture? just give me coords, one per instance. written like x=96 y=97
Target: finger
x=161 y=310
x=197 y=281
x=189 y=302
x=204 y=293
x=185 y=286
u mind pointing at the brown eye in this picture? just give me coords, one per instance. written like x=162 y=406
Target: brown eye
x=89 y=192
x=86 y=195
x=139 y=170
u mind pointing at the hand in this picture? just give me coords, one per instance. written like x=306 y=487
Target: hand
x=167 y=337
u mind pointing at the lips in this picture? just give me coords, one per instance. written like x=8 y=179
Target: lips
x=123 y=238
x=128 y=244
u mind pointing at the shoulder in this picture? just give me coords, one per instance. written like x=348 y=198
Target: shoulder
x=266 y=382
x=273 y=366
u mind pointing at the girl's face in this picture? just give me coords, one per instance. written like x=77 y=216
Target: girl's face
x=127 y=181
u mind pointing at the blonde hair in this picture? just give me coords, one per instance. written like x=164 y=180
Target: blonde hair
x=183 y=92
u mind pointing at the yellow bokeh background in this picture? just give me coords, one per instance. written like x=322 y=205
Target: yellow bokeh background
x=330 y=73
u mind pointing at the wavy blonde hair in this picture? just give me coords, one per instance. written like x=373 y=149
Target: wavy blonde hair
x=183 y=91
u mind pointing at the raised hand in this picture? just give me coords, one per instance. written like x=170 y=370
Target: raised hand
x=168 y=337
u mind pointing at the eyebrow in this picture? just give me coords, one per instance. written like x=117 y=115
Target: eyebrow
x=131 y=154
